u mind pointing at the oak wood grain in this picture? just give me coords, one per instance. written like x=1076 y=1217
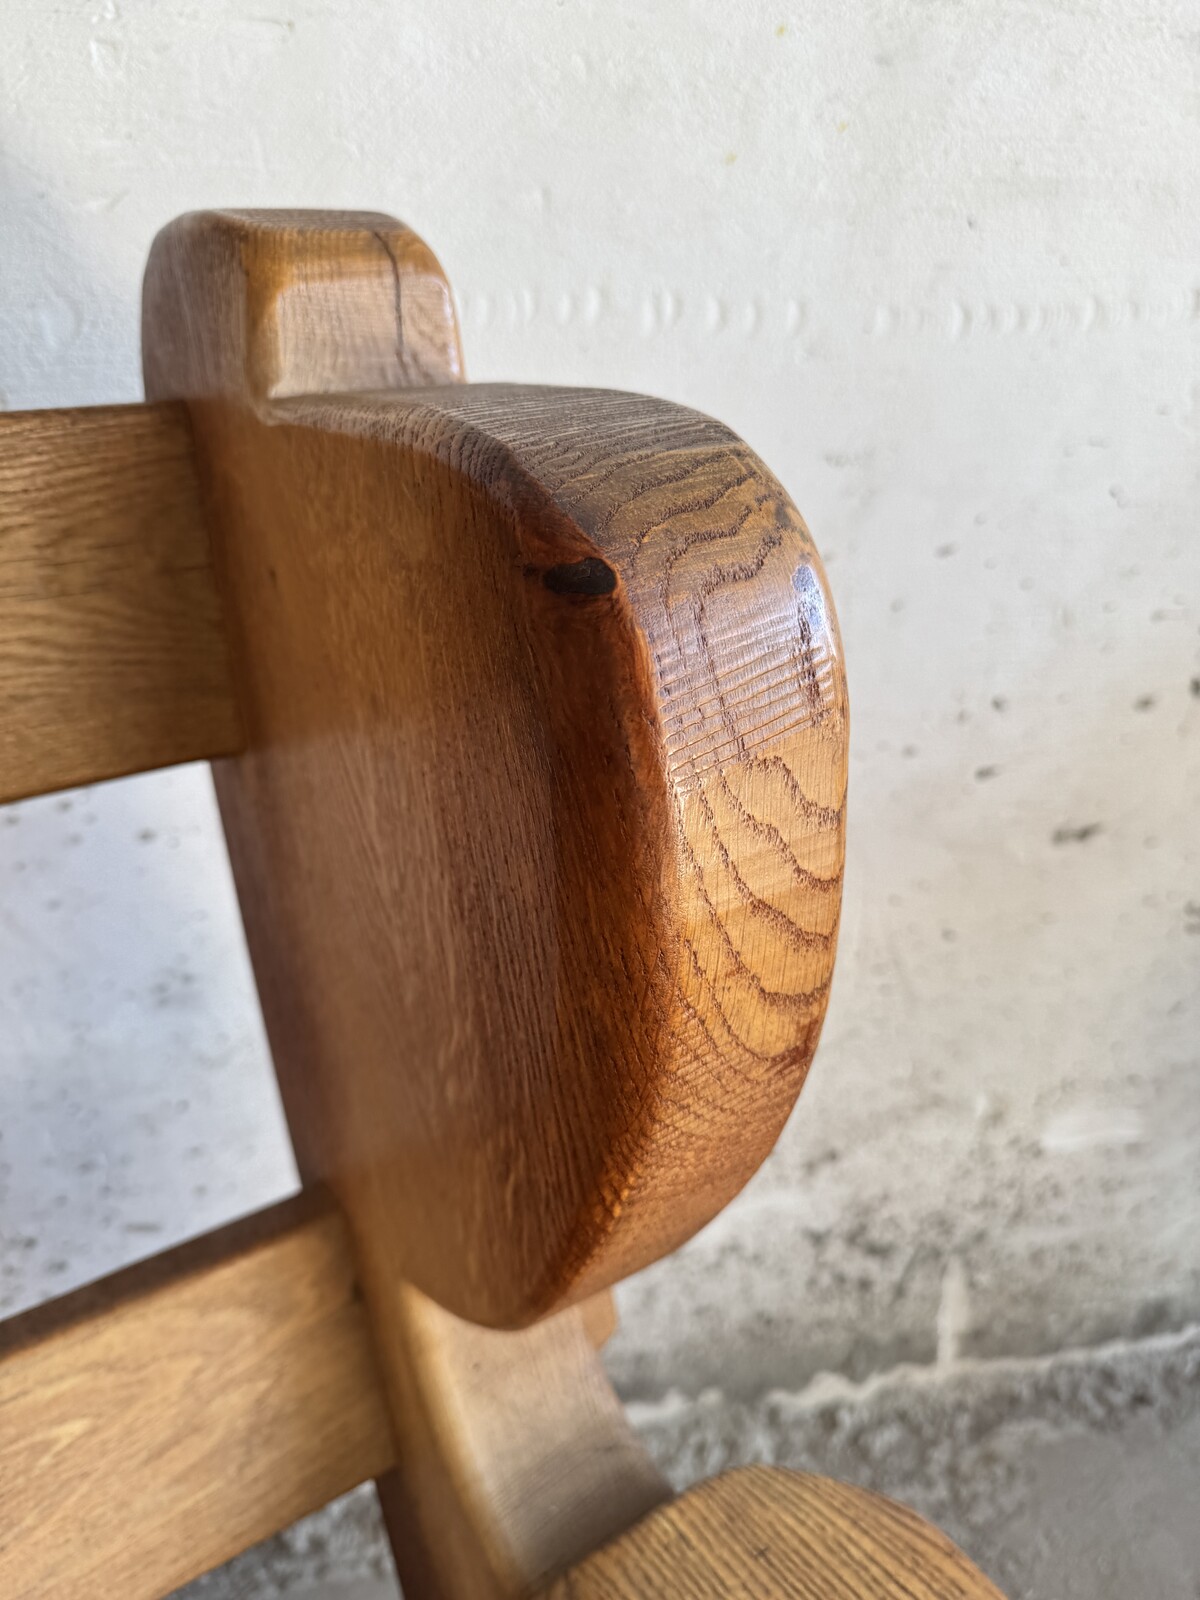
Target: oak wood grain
x=634 y=798
x=537 y=836
x=539 y=832
x=157 y=1423
x=112 y=651
x=266 y=304
x=764 y=1533
x=537 y=825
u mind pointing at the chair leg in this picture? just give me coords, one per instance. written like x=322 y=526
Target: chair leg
x=514 y=1456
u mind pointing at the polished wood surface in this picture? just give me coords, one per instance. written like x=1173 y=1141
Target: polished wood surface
x=539 y=832
x=535 y=797
x=112 y=651
x=161 y=1421
x=764 y=1533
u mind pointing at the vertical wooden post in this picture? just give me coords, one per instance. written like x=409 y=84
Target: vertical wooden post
x=537 y=834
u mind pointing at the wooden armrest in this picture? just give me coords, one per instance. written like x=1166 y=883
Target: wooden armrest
x=538 y=833
x=530 y=729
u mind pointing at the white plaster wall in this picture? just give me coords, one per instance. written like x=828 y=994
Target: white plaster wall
x=938 y=263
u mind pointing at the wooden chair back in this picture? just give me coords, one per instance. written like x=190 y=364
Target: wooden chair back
x=529 y=729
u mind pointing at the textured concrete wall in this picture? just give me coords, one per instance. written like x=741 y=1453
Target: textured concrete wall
x=937 y=262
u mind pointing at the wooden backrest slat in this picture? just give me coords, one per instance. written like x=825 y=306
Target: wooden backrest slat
x=112 y=650
x=156 y=1424
x=161 y=1420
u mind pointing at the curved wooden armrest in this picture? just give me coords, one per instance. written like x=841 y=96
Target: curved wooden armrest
x=532 y=740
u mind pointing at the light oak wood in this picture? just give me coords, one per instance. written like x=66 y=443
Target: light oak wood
x=764 y=1533
x=599 y=1318
x=112 y=650
x=539 y=832
x=538 y=836
x=155 y=1424
x=267 y=304
x=537 y=825
x=159 y=1421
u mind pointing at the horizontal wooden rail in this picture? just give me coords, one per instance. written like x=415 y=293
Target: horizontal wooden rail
x=158 y=1423
x=155 y=1424
x=112 y=649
